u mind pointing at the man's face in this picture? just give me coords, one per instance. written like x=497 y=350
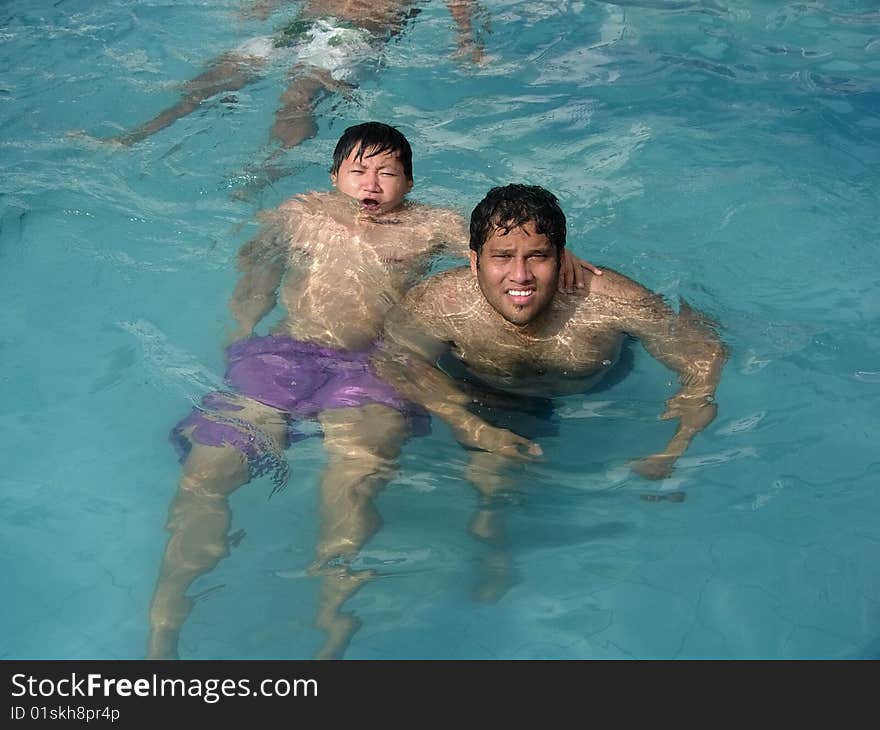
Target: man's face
x=377 y=182
x=517 y=272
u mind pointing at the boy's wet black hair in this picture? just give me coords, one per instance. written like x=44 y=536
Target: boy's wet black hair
x=510 y=206
x=373 y=138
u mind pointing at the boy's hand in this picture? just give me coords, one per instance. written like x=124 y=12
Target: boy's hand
x=571 y=272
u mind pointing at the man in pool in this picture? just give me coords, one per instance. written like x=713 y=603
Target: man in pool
x=327 y=45
x=337 y=262
x=503 y=322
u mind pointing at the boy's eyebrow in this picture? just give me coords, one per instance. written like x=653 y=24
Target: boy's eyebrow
x=390 y=163
x=361 y=165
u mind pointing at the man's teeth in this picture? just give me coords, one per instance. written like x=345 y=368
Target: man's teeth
x=520 y=292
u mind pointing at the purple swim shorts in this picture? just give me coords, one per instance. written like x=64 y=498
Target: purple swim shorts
x=301 y=379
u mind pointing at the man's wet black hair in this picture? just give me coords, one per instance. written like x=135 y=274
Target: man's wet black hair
x=373 y=138
x=511 y=206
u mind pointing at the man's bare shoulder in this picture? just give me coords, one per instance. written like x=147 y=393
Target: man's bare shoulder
x=616 y=298
x=614 y=285
x=447 y=293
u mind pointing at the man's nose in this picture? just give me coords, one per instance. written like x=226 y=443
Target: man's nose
x=521 y=271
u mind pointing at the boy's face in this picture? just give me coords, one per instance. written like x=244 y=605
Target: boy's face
x=377 y=182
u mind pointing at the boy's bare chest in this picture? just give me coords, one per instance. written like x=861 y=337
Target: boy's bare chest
x=366 y=244
x=390 y=244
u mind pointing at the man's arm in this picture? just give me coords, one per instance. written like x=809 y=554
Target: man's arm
x=686 y=343
x=262 y=262
x=412 y=343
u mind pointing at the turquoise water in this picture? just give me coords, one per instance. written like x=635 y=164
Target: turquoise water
x=726 y=153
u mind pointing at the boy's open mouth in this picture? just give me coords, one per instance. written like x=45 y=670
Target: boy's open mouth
x=370 y=203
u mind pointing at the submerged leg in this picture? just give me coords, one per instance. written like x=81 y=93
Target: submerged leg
x=294 y=121
x=229 y=72
x=199 y=520
x=362 y=446
x=198 y=524
x=491 y=475
x=295 y=118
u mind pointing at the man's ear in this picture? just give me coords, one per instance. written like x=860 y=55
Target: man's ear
x=409 y=185
x=475 y=261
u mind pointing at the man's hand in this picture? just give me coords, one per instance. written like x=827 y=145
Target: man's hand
x=478 y=434
x=571 y=272
x=655 y=466
x=694 y=412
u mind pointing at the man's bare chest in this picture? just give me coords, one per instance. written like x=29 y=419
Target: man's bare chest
x=563 y=355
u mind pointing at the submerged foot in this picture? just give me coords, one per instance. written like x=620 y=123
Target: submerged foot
x=339 y=634
x=83 y=136
x=498 y=577
x=162 y=644
x=485 y=525
x=338 y=586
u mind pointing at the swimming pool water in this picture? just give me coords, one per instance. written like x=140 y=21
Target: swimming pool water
x=726 y=153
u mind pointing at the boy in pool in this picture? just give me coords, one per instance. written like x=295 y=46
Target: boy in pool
x=315 y=365
x=327 y=45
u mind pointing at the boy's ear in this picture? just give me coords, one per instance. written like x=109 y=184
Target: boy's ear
x=474 y=261
x=333 y=178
